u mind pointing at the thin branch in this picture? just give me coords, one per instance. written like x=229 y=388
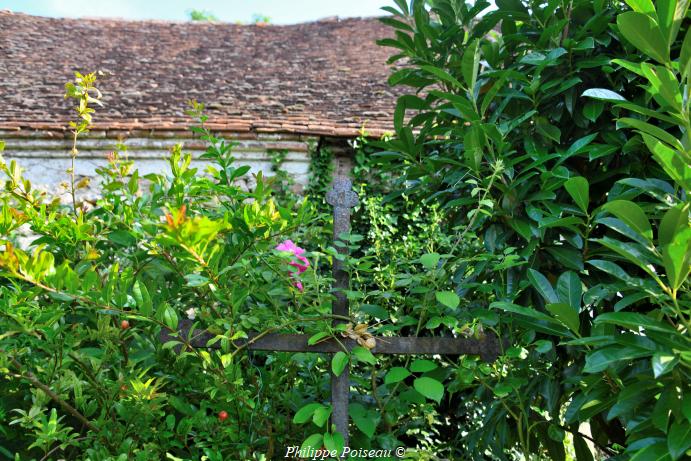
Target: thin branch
x=29 y=376
x=59 y=447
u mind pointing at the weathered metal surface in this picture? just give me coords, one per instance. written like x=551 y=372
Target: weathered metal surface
x=487 y=347
x=342 y=198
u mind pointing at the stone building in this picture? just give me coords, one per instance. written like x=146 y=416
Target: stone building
x=270 y=88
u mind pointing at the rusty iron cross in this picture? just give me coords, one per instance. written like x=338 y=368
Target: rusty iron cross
x=343 y=199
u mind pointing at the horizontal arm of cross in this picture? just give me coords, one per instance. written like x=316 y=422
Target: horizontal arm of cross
x=487 y=347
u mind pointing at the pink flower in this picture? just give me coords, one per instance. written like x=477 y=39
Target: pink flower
x=301 y=264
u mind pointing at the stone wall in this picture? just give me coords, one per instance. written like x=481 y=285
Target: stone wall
x=45 y=155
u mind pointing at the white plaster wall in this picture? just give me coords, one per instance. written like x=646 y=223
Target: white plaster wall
x=45 y=161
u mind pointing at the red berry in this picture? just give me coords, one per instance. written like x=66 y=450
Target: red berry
x=222 y=415
x=124 y=325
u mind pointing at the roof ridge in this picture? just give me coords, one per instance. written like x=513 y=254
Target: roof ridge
x=324 y=20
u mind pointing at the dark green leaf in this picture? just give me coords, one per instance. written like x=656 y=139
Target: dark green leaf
x=679 y=439
x=592 y=110
x=442 y=75
x=605 y=357
x=566 y=314
x=634 y=321
x=542 y=285
x=570 y=289
x=581 y=448
x=579 y=191
x=470 y=64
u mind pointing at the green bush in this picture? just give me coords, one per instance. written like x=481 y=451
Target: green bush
x=536 y=188
x=558 y=151
x=83 y=373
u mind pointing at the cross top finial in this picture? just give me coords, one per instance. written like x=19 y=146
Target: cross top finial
x=342 y=194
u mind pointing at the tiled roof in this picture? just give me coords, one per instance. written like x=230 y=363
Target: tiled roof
x=326 y=77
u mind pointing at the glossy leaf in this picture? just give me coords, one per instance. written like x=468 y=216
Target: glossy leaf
x=676 y=257
x=679 y=439
x=442 y=75
x=592 y=110
x=685 y=56
x=570 y=289
x=670 y=14
x=663 y=363
x=644 y=33
x=603 y=94
x=675 y=220
x=565 y=314
x=579 y=190
x=651 y=130
x=470 y=64
x=671 y=161
x=605 y=357
x=542 y=285
x=634 y=321
x=631 y=214
x=642 y=6
x=654 y=452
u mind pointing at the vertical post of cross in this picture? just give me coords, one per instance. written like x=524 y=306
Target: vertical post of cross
x=342 y=198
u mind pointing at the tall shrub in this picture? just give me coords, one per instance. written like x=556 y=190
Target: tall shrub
x=555 y=137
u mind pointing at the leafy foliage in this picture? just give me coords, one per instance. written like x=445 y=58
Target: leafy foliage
x=558 y=150
x=82 y=370
x=202 y=15
x=536 y=187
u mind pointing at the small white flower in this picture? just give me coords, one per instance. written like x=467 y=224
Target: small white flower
x=191 y=313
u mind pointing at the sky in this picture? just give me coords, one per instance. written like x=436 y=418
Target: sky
x=279 y=11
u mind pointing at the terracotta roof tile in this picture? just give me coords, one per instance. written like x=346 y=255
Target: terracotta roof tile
x=324 y=77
